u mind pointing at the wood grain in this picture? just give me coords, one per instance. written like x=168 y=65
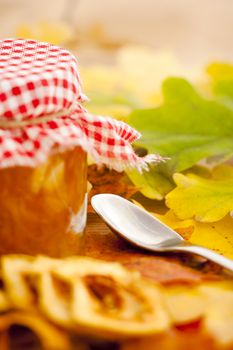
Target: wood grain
x=102 y=243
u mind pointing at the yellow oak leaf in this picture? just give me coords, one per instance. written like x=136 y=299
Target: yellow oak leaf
x=223 y=172
x=217 y=236
x=206 y=200
x=184 y=227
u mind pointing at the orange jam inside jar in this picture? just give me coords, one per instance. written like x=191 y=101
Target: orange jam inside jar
x=45 y=133
x=43 y=209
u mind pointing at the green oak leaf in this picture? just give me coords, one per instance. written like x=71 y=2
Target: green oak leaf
x=187 y=128
x=152 y=184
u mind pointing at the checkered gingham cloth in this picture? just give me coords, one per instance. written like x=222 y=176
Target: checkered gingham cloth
x=38 y=80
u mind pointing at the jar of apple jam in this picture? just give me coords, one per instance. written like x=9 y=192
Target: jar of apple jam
x=43 y=209
x=45 y=134
x=43 y=168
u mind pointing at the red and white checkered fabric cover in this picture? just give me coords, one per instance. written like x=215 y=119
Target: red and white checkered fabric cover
x=38 y=79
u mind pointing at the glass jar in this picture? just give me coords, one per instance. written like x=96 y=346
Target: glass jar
x=43 y=205
x=43 y=209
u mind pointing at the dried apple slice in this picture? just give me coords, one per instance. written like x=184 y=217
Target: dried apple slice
x=50 y=336
x=111 y=302
x=86 y=295
x=17 y=280
x=54 y=300
x=5 y=303
x=53 y=294
x=218 y=316
x=184 y=304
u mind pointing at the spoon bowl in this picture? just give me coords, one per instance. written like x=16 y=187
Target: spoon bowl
x=144 y=230
x=133 y=223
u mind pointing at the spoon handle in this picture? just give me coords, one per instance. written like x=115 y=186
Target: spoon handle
x=206 y=253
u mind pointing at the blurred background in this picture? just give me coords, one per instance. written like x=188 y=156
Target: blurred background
x=126 y=48
x=194 y=30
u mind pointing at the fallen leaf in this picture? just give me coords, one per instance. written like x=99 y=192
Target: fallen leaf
x=184 y=227
x=206 y=200
x=187 y=127
x=151 y=184
x=217 y=236
x=103 y=180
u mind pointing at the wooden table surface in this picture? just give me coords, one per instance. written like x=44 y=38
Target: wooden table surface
x=101 y=242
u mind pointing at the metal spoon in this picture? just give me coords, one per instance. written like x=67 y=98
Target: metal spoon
x=142 y=229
